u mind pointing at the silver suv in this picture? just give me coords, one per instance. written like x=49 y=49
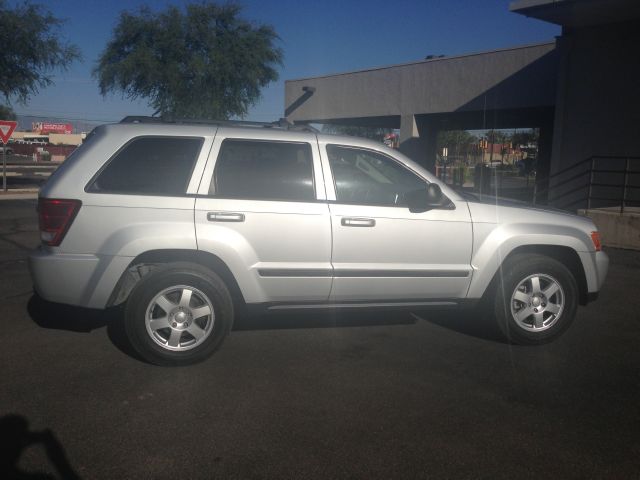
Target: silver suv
x=187 y=224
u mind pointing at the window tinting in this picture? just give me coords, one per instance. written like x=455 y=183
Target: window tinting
x=151 y=166
x=264 y=171
x=368 y=178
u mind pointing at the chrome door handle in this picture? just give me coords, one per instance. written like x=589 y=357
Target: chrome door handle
x=358 y=222
x=225 y=217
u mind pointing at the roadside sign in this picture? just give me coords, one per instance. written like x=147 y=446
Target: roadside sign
x=6 y=129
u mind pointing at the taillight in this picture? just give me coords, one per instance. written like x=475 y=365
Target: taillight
x=56 y=216
x=595 y=238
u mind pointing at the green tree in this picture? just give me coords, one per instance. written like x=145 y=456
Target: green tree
x=201 y=62
x=457 y=140
x=372 y=133
x=525 y=137
x=497 y=137
x=7 y=113
x=31 y=50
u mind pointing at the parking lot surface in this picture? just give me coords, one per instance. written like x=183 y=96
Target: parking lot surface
x=385 y=395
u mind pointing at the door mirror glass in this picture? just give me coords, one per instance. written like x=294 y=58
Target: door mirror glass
x=423 y=200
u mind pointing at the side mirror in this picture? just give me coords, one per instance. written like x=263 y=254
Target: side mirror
x=423 y=200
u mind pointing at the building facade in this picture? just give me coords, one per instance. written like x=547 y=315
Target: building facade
x=579 y=90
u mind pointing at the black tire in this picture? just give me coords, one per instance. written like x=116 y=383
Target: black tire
x=209 y=291
x=520 y=270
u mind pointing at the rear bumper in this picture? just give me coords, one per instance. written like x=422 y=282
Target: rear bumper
x=80 y=280
x=62 y=278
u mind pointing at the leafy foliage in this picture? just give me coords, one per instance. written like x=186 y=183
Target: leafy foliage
x=525 y=137
x=455 y=140
x=497 y=136
x=203 y=62
x=461 y=139
x=31 y=50
x=7 y=113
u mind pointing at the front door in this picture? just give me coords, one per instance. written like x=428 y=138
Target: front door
x=382 y=251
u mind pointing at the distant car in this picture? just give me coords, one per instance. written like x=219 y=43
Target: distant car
x=7 y=150
x=188 y=223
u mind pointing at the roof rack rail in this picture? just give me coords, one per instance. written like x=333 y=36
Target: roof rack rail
x=282 y=123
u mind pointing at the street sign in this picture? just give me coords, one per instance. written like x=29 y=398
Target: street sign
x=6 y=129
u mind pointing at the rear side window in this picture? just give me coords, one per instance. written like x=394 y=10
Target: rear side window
x=150 y=166
x=264 y=170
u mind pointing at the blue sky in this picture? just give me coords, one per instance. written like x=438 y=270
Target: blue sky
x=317 y=37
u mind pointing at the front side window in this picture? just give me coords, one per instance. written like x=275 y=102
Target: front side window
x=150 y=166
x=264 y=170
x=370 y=178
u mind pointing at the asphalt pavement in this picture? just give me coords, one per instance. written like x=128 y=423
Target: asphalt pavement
x=354 y=396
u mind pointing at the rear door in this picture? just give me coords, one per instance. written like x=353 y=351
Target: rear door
x=262 y=209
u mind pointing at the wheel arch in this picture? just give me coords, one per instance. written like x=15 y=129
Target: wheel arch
x=146 y=262
x=563 y=254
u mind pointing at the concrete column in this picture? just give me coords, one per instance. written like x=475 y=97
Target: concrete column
x=429 y=134
x=558 y=160
x=418 y=140
x=543 y=167
x=408 y=128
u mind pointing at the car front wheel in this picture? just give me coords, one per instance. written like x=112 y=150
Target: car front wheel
x=536 y=299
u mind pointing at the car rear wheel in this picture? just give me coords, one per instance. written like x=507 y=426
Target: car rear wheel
x=536 y=299
x=178 y=314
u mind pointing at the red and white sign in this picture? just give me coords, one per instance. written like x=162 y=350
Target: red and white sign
x=6 y=129
x=43 y=128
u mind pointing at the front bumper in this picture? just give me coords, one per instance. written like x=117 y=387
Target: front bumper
x=596 y=267
x=602 y=267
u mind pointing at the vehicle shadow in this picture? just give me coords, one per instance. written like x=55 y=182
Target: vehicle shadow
x=65 y=317
x=16 y=437
x=57 y=316
x=329 y=319
x=474 y=323
x=84 y=320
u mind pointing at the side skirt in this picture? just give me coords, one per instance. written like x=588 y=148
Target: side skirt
x=286 y=307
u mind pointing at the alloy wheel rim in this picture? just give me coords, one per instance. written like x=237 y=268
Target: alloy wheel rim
x=537 y=303
x=179 y=318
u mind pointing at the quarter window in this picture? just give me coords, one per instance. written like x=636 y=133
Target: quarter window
x=150 y=166
x=264 y=170
x=369 y=178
